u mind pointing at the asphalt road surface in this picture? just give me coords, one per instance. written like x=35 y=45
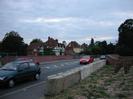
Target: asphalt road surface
x=35 y=89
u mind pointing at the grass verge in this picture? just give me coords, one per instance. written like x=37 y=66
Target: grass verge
x=102 y=84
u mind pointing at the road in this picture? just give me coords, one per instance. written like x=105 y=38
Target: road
x=35 y=89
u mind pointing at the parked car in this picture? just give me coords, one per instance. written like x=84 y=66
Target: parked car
x=102 y=57
x=86 y=60
x=16 y=71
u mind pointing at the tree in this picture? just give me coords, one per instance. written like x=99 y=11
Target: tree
x=125 y=46
x=96 y=50
x=103 y=46
x=84 y=46
x=92 y=42
x=13 y=43
x=36 y=41
x=111 y=48
x=0 y=46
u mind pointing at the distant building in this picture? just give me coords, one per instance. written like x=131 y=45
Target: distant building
x=59 y=49
x=50 y=46
x=51 y=43
x=73 y=48
x=34 y=48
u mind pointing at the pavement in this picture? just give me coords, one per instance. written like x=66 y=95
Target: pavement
x=35 y=89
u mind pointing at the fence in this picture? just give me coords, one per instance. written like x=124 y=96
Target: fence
x=120 y=61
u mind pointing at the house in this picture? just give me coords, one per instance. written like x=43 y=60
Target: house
x=51 y=43
x=73 y=48
x=50 y=47
x=59 y=49
x=34 y=48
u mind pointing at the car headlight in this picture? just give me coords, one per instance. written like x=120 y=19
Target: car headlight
x=2 y=78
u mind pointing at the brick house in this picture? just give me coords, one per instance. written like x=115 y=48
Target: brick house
x=33 y=48
x=72 y=48
x=51 y=43
x=59 y=49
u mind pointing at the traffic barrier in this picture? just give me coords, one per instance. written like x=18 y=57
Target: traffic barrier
x=54 y=85
x=61 y=81
x=87 y=70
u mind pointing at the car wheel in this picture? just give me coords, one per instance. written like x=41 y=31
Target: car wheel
x=37 y=76
x=11 y=83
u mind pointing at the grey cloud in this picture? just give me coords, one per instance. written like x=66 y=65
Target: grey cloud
x=67 y=19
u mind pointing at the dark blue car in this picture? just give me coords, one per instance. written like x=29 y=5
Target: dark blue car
x=16 y=71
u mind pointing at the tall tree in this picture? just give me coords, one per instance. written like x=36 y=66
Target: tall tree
x=111 y=48
x=36 y=41
x=0 y=46
x=125 y=46
x=13 y=43
x=103 y=46
x=92 y=42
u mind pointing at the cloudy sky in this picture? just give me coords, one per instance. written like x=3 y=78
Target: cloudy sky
x=68 y=20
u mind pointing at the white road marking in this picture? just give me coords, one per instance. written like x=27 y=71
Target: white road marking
x=47 y=67
x=62 y=65
x=59 y=61
x=55 y=66
x=66 y=63
x=23 y=89
x=71 y=63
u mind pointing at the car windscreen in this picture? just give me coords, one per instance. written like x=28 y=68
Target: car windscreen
x=10 y=66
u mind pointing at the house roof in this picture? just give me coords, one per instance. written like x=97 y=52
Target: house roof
x=35 y=46
x=73 y=44
x=51 y=42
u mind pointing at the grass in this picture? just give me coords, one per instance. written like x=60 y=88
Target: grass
x=103 y=84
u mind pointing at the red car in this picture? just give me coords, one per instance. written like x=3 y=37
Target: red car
x=86 y=60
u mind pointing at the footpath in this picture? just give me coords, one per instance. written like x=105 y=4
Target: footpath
x=39 y=59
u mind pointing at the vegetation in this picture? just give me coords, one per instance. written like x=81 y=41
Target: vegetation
x=48 y=51
x=99 y=47
x=36 y=41
x=13 y=43
x=103 y=84
x=125 y=46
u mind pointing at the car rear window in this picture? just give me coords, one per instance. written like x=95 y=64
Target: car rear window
x=32 y=64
